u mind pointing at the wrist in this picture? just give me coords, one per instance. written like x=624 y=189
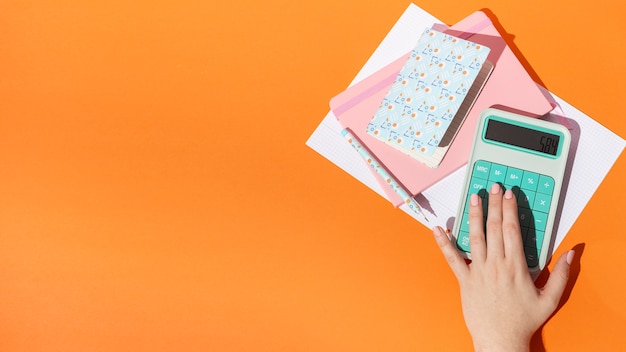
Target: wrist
x=499 y=348
x=502 y=345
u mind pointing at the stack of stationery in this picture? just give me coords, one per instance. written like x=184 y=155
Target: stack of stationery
x=432 y=152
x=355 y=107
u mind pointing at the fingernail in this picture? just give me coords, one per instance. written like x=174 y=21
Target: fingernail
x=495 y=188
x=474 y=199
x=508 y=194
x=437 y=231
x=570 y=257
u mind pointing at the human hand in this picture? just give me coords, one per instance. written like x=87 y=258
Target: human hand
x=501 y=305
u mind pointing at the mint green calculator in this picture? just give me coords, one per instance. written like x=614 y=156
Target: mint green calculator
x=528 y=156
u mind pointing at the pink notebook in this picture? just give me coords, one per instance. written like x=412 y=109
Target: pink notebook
x=509 y=85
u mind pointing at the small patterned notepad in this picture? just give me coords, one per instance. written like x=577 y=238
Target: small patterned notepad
x=431 y=96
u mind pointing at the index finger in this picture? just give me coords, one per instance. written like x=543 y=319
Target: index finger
x=495 y=243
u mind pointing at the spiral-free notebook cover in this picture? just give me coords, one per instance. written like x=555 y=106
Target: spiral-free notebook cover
x=355 y=106
x=437 y=85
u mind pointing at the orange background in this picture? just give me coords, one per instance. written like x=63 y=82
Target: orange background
x=156 y=193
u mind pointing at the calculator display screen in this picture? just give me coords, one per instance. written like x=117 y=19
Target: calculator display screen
x=522 y=137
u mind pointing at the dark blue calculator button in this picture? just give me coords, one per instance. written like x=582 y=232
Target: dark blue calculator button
x=525 y=217
x=463 y=241
x=539 y=220
x=534 y=238
x=526 y=198
x=532 y=257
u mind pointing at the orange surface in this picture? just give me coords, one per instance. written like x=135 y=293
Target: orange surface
x=156 y=193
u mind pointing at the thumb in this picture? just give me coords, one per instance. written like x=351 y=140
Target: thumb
x=553 y=290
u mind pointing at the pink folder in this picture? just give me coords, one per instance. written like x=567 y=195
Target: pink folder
x=509 y=85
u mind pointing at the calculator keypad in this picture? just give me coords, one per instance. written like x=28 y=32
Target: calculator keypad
x=533 y=192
